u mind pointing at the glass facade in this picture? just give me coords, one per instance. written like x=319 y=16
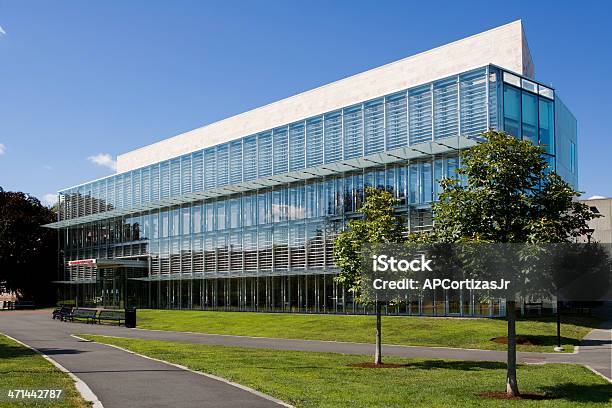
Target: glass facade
x=249 y=224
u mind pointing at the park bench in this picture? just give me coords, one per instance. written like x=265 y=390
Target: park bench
x=111 y=316
x=61 y=312
x=88 y=314
x=533 y=308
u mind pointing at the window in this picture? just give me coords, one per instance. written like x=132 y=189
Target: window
x=530 y=117
x=374 y=127
x=445 y=108
x=420 y=114
x=512 y=110
x=164 y=224
x=452 y=164
x=279 y=205
x=249 y=210
x=146 y=185
x=175 y=178
x=528 y=85
x=314 y=142
x=210 y=168
x=353 y=136
x=235 y=162
x=223 y=164
x=186 y=174
x=438 y=177
x=426 y=182
x=547 y=92
x=297 y=155
x=209 y=220
x=221 y=215
x=547 y=125
x=263 y=208
x=397 y=121
x=164 y=189
x=473 y=88
x=264 y=154
x=155 y=184
x=196 y=219
x=311 y=200
x=333 y=137
x=413 y=184
x=512 y=79
x=186 y=221
x=250 y=158
x=401 y=184
x=234 y=216
x=280 y=151
x=198 y=171
x=296 y=202
x=154 y=225
x=174 y=222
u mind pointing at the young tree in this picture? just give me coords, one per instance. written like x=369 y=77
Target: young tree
x=378 y=225
x=509 y=197
x=27 y=250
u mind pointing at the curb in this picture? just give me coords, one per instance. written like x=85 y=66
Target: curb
x=182 y=367
x=83 y=389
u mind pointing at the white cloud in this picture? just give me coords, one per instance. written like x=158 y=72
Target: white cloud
x=49 y=199
x=103 y=159
x=2 y=32
x=2 y=148
x=47 y=167
x=596 y=197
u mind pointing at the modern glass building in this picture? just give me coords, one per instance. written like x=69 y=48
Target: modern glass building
x=242 y=214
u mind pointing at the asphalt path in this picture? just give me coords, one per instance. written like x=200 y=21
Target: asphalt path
x=119 y=378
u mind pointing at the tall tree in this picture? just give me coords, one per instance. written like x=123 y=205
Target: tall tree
x=510 y=196
x=378 y=225
x=28 y=252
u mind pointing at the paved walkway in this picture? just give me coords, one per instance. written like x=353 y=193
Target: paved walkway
x=118 y=378
x=114 y=368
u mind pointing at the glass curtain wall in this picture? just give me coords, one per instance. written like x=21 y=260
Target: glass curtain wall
x=270 y=247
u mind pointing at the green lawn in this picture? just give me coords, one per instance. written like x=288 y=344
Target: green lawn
x=307 y=379
x=22 y=368
x=416 y=331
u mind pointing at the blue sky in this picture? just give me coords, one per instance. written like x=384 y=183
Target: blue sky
x=81 y=82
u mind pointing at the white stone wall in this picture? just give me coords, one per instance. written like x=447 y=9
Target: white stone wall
x=504 y=46
x=602 y=226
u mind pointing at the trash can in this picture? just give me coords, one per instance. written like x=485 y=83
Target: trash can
x=130 y=317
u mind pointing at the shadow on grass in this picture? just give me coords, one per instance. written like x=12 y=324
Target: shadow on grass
x=443 y=365
x=456 y=365
x=549 y=341
x=8 y=351
x=592 y=322
x=580 y=393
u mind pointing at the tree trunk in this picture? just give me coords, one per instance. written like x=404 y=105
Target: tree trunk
x=511 y=383
x=378 y=354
